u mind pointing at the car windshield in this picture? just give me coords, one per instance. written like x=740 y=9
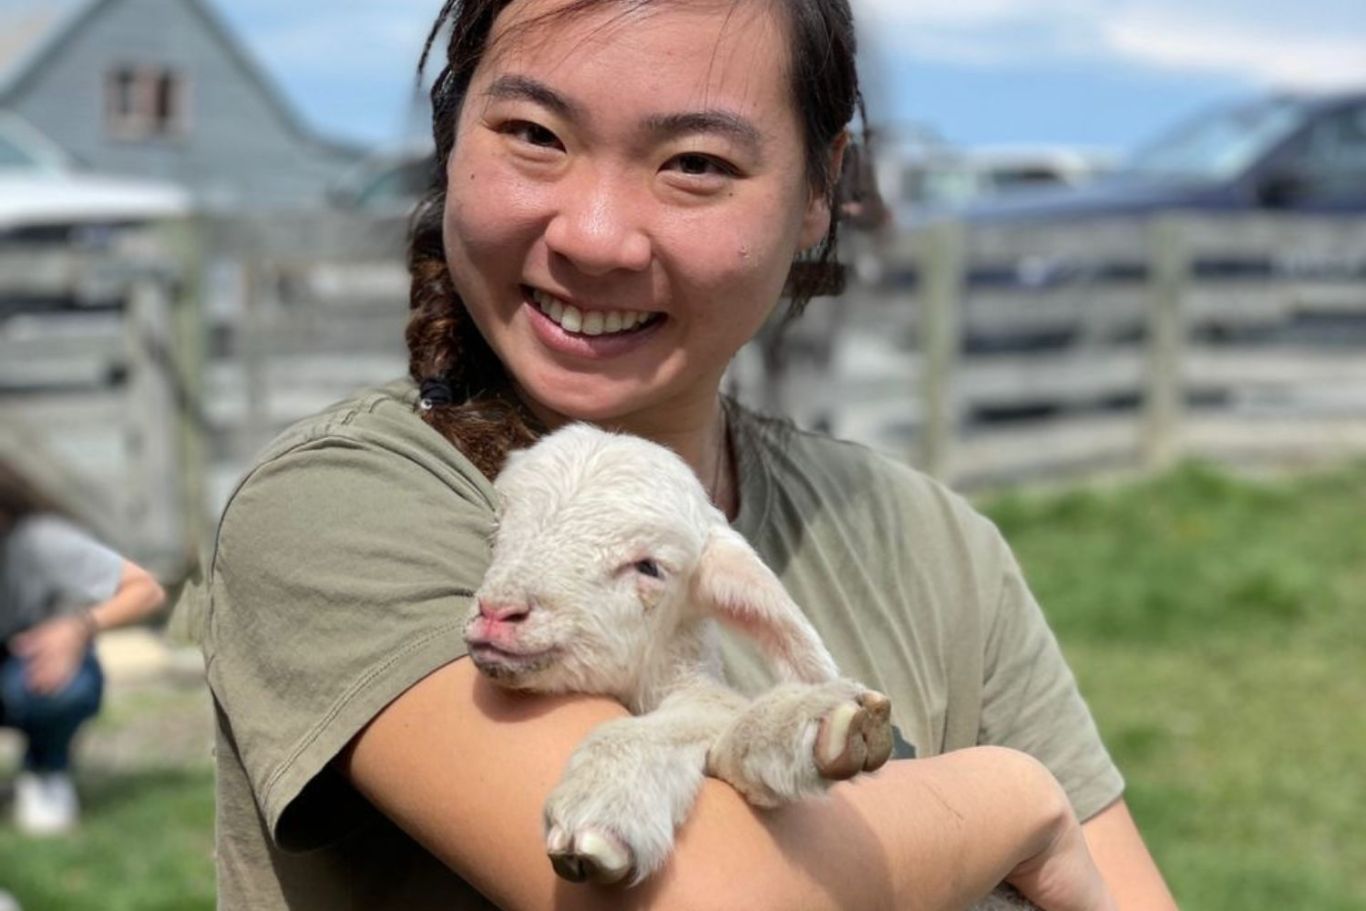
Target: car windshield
x=1221 y=146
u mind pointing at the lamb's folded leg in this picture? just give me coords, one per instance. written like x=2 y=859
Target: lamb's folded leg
x=794 y=740
x=630 y=784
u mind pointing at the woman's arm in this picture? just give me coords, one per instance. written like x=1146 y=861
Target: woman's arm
x=1124 y=861
x=53 y=649
x=464 y=768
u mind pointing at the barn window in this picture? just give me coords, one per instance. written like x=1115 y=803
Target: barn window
x=146 y=102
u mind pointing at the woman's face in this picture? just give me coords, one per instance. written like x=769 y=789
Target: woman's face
x=626 y=195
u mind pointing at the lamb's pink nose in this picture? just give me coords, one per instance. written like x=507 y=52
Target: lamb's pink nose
x=503 y=613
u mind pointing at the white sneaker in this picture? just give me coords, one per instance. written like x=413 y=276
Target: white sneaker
x=45 y=803
x=8 y=902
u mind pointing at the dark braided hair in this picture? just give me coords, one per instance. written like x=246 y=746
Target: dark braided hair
x=481 y=414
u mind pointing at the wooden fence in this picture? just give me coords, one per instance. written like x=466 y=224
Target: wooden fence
x=93 y=381
x=141 y=379
x=137 y=381
x=1055 y=350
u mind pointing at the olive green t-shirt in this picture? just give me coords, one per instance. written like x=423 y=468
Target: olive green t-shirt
x=346 y=559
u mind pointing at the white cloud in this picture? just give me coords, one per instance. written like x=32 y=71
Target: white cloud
x=356 y=40
x=1298 y=43
x=1262 y=53
x=960 y=13
x=350 y=67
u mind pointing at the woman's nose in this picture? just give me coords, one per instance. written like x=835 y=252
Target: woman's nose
x=598 y=227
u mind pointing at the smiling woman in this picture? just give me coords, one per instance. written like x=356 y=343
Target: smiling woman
x=629 y=187
x=652 y=157
x=611 y=191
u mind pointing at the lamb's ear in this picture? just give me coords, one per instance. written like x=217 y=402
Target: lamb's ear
x=732 y=584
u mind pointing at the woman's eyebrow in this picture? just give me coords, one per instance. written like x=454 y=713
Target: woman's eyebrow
x=726 y=123
x=525 y=88
x=661 y=126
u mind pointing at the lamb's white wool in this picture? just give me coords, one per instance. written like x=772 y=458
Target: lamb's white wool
x=609 y=568
x=613 y=561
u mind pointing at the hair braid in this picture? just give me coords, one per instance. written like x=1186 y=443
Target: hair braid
x=484 y=420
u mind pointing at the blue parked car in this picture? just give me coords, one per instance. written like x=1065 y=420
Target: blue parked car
x=1286 y=153
x=1292 y=153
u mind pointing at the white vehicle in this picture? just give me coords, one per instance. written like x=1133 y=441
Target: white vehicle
x=44 y=196
x=928 y=181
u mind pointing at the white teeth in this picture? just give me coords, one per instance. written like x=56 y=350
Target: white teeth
x=591 y=322
x=572 y=320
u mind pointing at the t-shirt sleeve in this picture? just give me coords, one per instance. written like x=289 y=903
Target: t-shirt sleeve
x=73 y=568
x=341 y=577
x=1031 y=702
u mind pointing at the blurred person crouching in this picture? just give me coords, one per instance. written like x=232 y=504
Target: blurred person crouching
x=59 y=588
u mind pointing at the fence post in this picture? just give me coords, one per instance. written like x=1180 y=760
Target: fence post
x=184 y=238
x=940 y=265
x=152 y=438
x=1164 y=386
x=257 y=312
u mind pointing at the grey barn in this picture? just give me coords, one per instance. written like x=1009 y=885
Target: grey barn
x=162 y=89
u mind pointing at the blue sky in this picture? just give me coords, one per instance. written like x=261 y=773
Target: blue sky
x=1105 y=73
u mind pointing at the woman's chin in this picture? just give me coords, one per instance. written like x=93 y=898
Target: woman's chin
x=560 y=396
x=606 y=405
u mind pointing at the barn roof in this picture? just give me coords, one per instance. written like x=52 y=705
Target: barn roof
x=33 y=30
x=28 y=28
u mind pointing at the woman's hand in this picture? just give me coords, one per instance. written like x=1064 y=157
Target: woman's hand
x=52 y=652
x=53 y=649
x=1063 y=876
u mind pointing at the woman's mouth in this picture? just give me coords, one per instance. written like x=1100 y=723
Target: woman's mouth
x=589 y=322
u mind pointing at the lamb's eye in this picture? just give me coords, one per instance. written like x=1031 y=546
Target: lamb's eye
x=649 y=568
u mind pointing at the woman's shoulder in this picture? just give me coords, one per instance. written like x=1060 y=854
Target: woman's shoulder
x=814 y=480
x=374 y=436
x=43 y=531
x=806 y=459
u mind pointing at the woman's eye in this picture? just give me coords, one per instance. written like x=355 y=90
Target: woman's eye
x=697 y=165
x=649 y=568
x=532 y=134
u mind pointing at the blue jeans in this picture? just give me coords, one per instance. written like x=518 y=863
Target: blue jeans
x=49 y=722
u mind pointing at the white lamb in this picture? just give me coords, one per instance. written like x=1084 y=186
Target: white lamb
x=610 y=569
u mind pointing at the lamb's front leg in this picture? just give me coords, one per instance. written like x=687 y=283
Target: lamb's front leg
x=796 y=739
x=630 y=784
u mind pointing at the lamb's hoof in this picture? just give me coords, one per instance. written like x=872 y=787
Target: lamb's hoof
x=588 y=856
x=855 y=737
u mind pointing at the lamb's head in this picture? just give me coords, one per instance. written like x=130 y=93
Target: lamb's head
x=606 y=549
x=591 y=559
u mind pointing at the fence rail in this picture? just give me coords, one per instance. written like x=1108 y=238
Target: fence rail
x=156 y=368
x=1135 y=343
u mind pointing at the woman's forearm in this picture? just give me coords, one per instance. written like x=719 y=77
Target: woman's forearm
x=926 y=834
x=455 y=755
x=137 y=597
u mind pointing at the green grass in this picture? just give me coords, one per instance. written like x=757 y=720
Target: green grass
x=1216 y=626
x=145 y=844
